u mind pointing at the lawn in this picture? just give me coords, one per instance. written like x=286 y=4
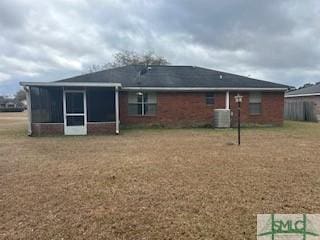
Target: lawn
x=154 y=183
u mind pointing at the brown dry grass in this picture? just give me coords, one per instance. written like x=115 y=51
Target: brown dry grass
x=154 y=184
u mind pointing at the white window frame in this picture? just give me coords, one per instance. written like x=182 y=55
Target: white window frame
x=142 y=103
x=255 y=102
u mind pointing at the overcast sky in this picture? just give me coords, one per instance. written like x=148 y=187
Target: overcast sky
x=49 y=40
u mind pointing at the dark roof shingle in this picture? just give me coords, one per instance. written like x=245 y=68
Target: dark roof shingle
x=172 y=76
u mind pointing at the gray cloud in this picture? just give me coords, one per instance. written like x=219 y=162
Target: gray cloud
x=276 y=40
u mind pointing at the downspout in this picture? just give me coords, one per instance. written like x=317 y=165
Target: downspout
x=117 y=109
x=28 y=98
x=227 y=100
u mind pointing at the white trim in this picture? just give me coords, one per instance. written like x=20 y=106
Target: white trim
x=106 y=84
x=227 y=100
x=302 y=95
x=85 y=109
x=62 y=123
x=199 y=89
x=28 y=98
x=117 y=109
x=74 y=114
x=100 y=122
x=64 y=108
x=70 y=84
x=84 y=114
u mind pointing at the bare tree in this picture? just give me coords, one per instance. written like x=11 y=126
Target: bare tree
x=20 y=95
x=96 y=67
x=125 y=58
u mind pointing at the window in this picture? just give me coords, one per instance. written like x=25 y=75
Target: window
x=142 y=104
x=209 y=98
x=255 y=103
x=11 y=105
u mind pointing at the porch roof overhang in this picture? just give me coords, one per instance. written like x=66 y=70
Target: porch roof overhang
x=70 y=84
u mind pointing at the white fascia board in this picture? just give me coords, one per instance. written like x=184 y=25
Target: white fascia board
x=70 y=84
x=199 y=89
x=302 y=95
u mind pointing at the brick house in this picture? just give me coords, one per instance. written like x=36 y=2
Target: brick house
x=154 y=95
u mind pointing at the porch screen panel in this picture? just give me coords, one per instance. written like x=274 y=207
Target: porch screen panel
x=74 y=102
x=100 y=105
x=46 y=104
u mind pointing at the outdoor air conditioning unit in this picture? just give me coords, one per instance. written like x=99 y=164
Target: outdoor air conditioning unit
x=221 y=118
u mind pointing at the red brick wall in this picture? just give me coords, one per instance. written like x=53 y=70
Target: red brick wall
x=39 y=129
x=101 y=128
x=174 y=109
x=190 y=109
x=271 y=109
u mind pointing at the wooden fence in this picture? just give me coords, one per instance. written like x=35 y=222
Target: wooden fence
x=300 y=111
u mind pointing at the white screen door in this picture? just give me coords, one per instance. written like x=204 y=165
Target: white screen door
x=75 y=112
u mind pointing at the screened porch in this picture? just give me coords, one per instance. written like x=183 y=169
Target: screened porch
x=73 y=107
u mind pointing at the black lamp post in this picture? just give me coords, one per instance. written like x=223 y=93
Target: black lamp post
x=238 y=100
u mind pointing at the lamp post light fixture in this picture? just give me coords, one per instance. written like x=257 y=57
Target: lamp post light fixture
x=238 y=99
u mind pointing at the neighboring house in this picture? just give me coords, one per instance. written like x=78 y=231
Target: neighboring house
x=10 y=105
x=154 y=95
x=303 y=104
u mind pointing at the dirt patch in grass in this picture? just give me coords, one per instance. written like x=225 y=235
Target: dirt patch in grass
x=154 y=184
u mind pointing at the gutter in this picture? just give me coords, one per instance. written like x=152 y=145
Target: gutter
x=191 y=89
x=70 y=84
x=119 y=85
